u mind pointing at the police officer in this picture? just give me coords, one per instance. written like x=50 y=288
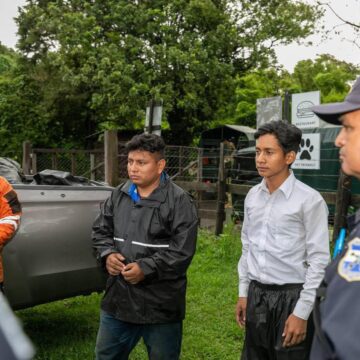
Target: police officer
x=337 y=306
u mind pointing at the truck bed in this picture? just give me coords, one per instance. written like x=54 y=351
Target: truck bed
x=51 y=257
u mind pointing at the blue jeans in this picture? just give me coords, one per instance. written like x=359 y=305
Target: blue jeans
x=116 y=339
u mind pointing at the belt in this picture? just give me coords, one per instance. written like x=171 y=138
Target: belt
x=276 y=287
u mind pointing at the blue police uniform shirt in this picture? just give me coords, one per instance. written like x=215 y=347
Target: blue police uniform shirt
x=339 y=310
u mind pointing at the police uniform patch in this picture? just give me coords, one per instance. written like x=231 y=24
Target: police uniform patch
x=349 y=265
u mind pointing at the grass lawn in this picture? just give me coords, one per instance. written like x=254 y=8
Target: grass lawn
x=67 y=329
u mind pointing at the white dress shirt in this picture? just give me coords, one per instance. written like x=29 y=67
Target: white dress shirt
x=285 y=239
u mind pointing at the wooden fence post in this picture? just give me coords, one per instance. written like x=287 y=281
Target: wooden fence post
x=34 y=163
x=26 y=160
x=54 y=161
x=220 y=208
x=181 y=154
x=73 y=164
x=111 y=157
x=343 y=198
x=199 y=179
x=200 y=164
x=92 y=166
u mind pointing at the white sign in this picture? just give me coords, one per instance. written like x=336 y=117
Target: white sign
x=268 y=109
x=301 y=115
x=308 y=156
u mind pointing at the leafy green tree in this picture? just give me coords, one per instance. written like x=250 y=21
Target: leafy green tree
x=23 y=111
x=22 y=116
x=259 y=84
x=7 y=61
x=97 y=63
x=325 y=73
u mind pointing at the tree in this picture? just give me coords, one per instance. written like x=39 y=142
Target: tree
x=7 y=60
x=22 y=117
x=343 y=22
x=249 y=88
x=327 y=74
x=97 y=63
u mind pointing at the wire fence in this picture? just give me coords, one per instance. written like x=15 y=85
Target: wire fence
x=182 y=162
x=194 y=164
x=86 y=163
x=186 y=164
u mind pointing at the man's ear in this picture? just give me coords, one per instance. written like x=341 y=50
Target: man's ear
x=290 y=157
x=161 y=165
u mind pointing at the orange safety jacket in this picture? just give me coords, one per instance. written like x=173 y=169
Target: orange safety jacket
x=10 y=212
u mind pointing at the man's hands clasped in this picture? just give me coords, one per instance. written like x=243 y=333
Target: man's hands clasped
x=132 y=272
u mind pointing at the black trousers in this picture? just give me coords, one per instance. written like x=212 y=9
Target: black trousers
x=268 y=307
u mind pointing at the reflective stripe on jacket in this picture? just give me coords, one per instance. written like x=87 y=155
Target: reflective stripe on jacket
x=10 y=212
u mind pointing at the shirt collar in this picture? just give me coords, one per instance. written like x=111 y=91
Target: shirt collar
x=286 y=187
x=158 y=194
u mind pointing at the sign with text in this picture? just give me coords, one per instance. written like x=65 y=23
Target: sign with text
x=301 y=115
x=308 y=156
x=268 y=109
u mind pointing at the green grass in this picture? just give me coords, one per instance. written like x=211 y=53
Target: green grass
x=67 y=329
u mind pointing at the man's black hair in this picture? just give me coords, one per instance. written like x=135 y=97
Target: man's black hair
x=287 y=135
x=146 y=142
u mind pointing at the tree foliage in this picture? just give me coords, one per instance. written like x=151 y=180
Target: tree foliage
x=94 y=64
x=327 y=74
x=22 y=116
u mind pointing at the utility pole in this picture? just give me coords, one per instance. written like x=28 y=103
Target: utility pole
x=287 y=96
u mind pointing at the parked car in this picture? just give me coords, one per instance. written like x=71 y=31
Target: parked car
x=50 y=257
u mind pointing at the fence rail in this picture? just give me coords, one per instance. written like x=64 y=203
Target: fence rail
x=194 y=169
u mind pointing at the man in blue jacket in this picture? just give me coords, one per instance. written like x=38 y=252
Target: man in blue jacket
x=145 y=238
x=336 y=310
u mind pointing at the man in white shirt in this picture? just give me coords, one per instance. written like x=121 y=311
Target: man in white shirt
x=285 y=249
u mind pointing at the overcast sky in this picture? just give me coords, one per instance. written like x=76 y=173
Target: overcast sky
x=339 y=46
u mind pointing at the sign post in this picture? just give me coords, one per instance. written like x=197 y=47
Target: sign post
x=153 y=117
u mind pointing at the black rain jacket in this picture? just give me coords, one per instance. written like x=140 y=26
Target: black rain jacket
x=159 y=233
